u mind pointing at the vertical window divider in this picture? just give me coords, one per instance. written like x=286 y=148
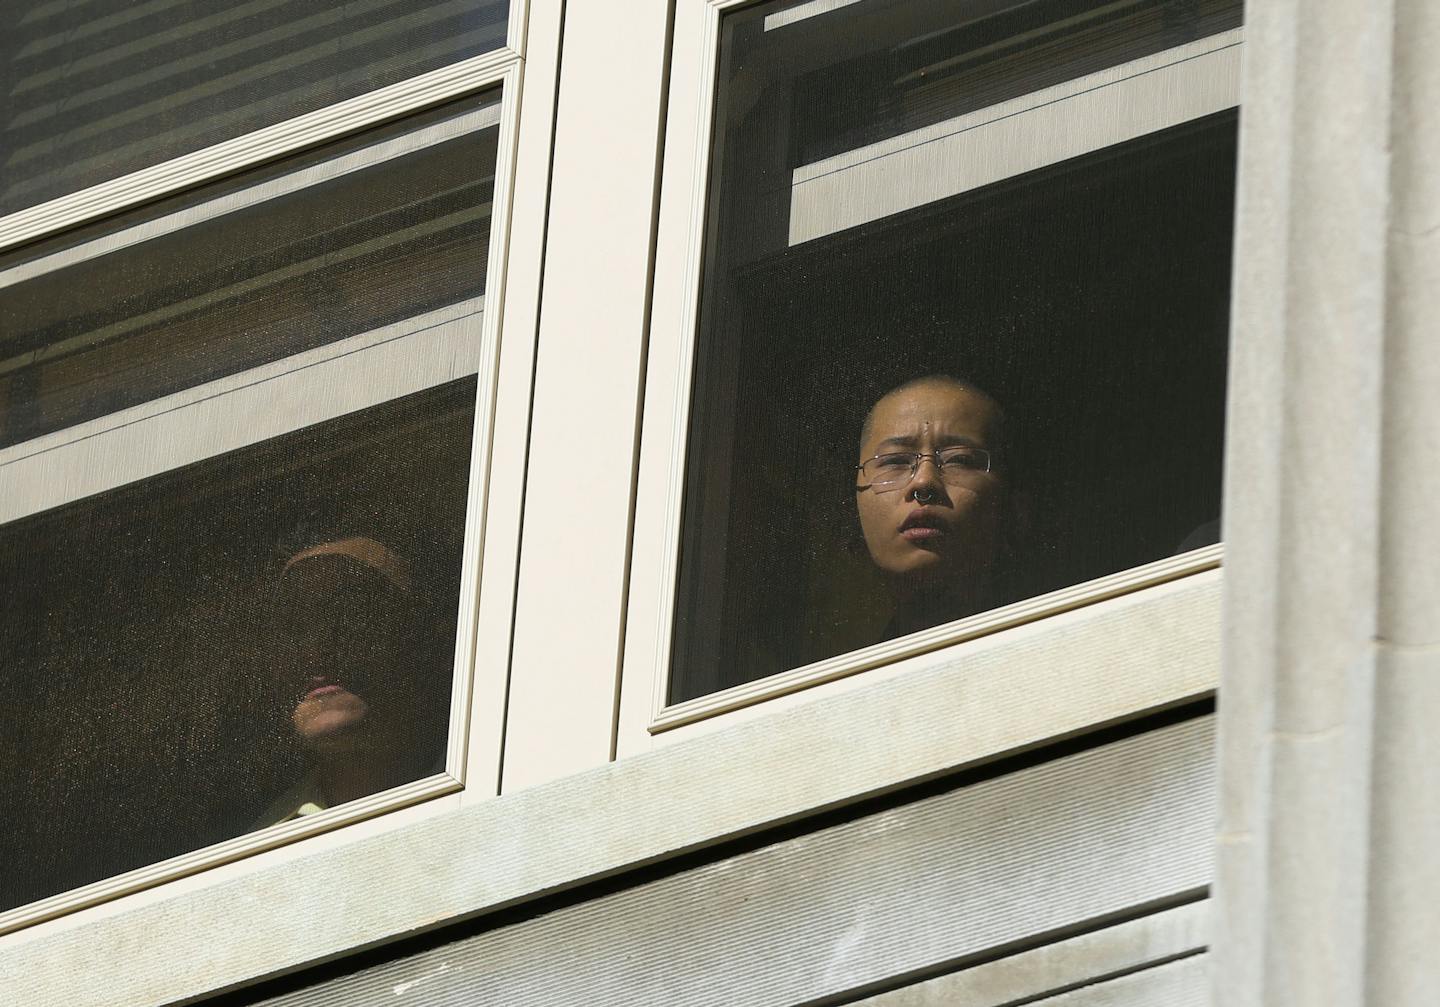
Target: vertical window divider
x=680 y=388
x=472 y=554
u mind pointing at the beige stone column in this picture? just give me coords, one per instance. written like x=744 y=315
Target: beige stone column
x=1328 y=888
x=1403 y=964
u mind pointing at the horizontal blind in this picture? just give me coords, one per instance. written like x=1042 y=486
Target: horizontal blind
x=94 y=89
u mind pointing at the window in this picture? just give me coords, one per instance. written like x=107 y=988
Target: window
x=364 y=252
x=99 y=90
x=1018 y=215
x=154 y=670
x=248 y=352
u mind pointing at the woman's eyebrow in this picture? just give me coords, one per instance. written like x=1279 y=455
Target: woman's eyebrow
x=899 y=441
x=942 y=440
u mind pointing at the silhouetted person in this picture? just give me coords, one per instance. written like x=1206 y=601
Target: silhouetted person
x=367 y=692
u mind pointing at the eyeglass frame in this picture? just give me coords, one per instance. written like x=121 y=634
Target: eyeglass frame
x=915 y=458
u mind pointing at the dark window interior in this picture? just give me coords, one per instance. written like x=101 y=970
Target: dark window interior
x=148 y=709
x=1089 y=298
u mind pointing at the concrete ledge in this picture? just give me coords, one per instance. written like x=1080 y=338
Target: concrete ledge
x=1123 y=658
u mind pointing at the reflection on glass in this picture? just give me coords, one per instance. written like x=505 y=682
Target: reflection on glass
x=909 y=64
x=346 y=240
x=231 y=644
x=927 y=238
x=93 y=89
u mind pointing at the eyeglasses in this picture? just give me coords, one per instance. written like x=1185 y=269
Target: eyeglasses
x=893 y=470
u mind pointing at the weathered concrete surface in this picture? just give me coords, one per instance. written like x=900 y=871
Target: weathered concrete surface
x=1326 y=882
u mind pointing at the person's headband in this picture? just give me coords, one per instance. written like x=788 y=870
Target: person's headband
x=363 y=550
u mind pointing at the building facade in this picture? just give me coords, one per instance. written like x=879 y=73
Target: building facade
x=579 y=310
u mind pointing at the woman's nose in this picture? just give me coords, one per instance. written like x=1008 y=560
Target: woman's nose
x=926 y=480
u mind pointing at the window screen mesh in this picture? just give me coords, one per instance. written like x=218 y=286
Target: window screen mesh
x=356 y=237
x=94 y=89
x=162 y=641
x=1080 y=308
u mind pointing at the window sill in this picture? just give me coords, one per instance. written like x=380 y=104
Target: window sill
x=1037 y=684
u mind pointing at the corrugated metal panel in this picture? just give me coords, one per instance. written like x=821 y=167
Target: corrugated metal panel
x=1095 y=958
x=855 y=906
x=1175 y=984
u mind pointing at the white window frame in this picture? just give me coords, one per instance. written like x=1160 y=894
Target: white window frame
x=590 y=678
x=266 y=144
x=1154 y=92
x=325 y=382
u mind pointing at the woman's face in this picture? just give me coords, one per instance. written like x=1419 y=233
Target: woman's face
x=340 y=646
x=930 y=532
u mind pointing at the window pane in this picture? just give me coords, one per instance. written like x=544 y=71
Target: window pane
x=213 y=650
x=1027 y=204
x=359 y=236
x=94 y=89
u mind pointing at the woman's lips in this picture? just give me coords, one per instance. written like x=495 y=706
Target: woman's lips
x=322 y=688
x=920 y=533
x=921 y=526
